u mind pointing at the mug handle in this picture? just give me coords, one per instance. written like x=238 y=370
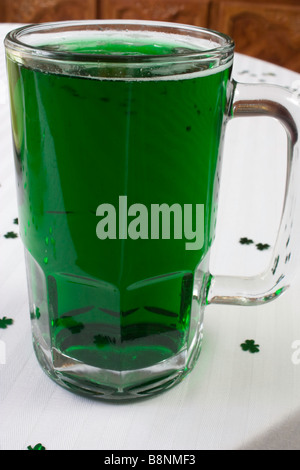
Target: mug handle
x=276 y=102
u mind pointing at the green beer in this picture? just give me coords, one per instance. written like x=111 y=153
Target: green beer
x=117 y=303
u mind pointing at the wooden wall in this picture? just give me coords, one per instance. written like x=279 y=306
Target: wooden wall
x=267 y=29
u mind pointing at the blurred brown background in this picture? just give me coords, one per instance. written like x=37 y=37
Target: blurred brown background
x=267 y=29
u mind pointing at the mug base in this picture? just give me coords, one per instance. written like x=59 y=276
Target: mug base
x=98 y=383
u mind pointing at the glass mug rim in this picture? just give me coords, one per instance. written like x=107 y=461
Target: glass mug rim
x=221 y=45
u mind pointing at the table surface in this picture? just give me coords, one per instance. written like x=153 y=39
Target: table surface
x=233 y=399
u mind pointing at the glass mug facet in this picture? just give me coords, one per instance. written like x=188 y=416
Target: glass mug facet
x=117 y=130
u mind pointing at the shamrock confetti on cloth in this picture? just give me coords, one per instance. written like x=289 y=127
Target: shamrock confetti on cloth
x=259 y=246
x=4 y=322
x=249 y=345
x=10 y=235
x=36 y=447
x=246 y=241
x=262 y=246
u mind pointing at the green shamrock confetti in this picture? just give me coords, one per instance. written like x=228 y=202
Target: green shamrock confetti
x=100 y=341
x=11 y=235
x=262 y=246
x=259 y=246
x=249 y=345
x=16 y=221
x=69 y=322
x=36 y=447
x=246 y=241
x=4 y=322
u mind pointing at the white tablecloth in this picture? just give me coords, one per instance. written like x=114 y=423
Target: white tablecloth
x=233 y=399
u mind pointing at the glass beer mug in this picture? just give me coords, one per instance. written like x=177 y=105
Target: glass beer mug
x=118 y=129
